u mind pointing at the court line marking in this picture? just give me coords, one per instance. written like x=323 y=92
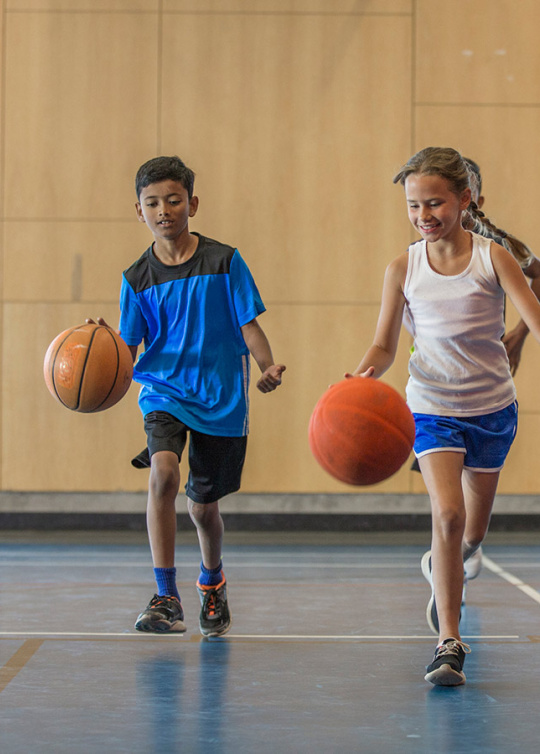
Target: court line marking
x=312 y=637
x=525 y=588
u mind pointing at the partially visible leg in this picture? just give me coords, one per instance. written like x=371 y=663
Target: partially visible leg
x=209 y=525
x=479 y=493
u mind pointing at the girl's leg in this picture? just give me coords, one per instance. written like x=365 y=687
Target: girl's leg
x=442 y=473
x=479 y=491
x=163 y=488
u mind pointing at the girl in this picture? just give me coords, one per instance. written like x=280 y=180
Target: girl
x=460 y=389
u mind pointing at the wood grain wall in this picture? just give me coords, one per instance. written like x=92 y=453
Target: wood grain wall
x=294 y=114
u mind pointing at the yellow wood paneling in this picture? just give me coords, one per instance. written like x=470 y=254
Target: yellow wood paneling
x=80 y=112
x=44 y=445
x=70 y=261
x=289 y=6
x=318 y=344
x=83 y=5
x=480 y=52
x=290 y=125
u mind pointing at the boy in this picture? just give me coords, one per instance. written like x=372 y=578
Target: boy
x=194 y=303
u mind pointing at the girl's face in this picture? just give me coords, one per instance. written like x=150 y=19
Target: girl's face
x=434 y=210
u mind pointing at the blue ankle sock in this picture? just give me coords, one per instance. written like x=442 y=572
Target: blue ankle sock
x=166 y=582
x=210 y=576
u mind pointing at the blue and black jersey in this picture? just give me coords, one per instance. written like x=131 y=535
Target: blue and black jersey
x=196 y=363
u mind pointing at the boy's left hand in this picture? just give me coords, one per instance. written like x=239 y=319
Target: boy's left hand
x=270 y=379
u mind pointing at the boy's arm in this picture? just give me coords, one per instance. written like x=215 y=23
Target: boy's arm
x=259 y=348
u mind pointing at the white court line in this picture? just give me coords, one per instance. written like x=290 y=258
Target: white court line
x=303 y=637
x=525 y=588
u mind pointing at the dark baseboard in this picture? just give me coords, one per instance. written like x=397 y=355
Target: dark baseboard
x=270 y=522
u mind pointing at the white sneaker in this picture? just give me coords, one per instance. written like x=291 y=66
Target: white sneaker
x=473 y=565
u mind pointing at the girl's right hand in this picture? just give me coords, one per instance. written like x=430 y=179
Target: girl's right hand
x=368 y=373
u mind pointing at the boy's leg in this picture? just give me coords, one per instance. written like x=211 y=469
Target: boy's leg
x=215 y=617
x=209 y=524
x=164 y=613
x=215 y=465
x=163 y=487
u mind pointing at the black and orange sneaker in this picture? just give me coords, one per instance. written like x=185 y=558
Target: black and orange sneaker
x=447 y=666
x=163 y=614
x=215 y=618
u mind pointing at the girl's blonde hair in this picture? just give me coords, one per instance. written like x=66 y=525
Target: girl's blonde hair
x=450 y=165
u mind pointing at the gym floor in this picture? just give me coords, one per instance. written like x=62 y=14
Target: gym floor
x=326 y=654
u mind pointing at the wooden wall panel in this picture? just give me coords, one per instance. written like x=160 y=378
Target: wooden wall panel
x=482 y=52
x=70 y=261
x=111 y=6
x=289 y=122
x=352 y=7
x=80 y=112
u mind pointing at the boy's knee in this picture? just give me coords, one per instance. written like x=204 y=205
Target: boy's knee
x=203 y=514
x=164 y=478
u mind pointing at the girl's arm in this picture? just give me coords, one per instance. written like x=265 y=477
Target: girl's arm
x=259 y=348
x=515 y=286
x=382 y=352
x=515 y=338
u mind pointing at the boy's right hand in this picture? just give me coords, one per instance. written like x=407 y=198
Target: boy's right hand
x=100 y=321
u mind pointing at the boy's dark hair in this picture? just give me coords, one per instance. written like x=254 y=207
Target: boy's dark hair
x=164 y=169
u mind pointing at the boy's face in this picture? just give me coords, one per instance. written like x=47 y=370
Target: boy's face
x=166 y=208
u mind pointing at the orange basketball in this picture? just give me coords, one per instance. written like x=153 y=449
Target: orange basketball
x=361 y=431
x=88 y=368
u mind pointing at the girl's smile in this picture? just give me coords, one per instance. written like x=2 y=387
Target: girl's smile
x=434 y=210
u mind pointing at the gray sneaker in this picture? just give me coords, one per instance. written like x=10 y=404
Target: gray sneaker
x=447 y=666
x=215 y=618
x=162 y=614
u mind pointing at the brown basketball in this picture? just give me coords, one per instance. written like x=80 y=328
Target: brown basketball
x=361 y=431
x=88 y=368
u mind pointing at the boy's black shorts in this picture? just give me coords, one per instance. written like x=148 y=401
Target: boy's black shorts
x=215 y=463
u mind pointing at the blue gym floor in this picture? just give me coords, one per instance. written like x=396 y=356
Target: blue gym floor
x=326 y=654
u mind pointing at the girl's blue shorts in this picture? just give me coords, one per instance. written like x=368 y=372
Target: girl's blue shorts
x=484 y=440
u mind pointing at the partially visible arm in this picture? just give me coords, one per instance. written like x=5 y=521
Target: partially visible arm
x=382 y=352
x=259 y=348
x=514 y=339
x=514 y=284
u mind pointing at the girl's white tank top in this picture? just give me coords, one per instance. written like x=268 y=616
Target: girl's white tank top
x=459 y=365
